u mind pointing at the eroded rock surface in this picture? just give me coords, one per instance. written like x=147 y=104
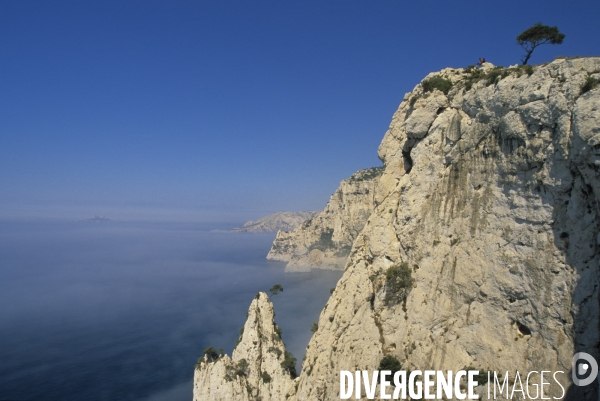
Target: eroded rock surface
x=324 y=242
x=285 y=221
x=497 y=218
x=255 y=369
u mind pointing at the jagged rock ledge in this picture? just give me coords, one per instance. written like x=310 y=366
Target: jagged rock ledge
x=257 y=369
x=285 y=221
x=324 y=241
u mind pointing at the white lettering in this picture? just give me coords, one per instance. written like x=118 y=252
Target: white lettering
x=384 y=384
x=563 y=389
x=517 y=377
x=443 y=384
x=472 y=384
x=411 y=385
x=400 y=385
x=534 y=385
x=370 y=387
x=504 y=383
x=344 y=395
x=457 y=392
x=428 y=383
x=542 y=382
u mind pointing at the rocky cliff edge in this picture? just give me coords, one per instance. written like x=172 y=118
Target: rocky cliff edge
x=324 y=241
x=489 y=203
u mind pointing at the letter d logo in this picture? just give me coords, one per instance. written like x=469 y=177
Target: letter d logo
x=590 y=365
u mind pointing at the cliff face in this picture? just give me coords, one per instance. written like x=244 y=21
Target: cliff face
x=285 y=221
x=324 y=242
x=490 y=198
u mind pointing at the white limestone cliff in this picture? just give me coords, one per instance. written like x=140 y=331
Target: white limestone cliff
x=491 y=197
x=285 y=221
x=255 y=369
x=324 y=241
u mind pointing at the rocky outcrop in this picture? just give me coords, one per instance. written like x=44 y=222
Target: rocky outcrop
x=255 y=369
x=285 y=221
x=497 y=217
x=490 y=200
x=324 y=241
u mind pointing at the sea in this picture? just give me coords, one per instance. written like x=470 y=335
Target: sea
x=122 y=311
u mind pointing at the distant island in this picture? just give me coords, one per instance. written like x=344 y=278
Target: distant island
x=97 y=219
x=280 y=221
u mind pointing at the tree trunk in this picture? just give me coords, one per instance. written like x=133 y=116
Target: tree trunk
x=526 y=59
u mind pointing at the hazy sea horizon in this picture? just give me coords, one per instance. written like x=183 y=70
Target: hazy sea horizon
x=120 y=310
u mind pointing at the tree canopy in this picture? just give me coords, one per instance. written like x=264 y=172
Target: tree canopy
x=276 y=289
x=211 y=354
x=399 y=282
x=289 y=364
x=537 y=35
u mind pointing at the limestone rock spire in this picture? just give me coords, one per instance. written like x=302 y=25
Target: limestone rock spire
x=257 y=368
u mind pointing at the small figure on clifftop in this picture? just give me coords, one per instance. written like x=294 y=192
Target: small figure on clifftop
x=481 y=61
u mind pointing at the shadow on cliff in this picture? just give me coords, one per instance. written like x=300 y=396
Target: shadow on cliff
x=576 y=227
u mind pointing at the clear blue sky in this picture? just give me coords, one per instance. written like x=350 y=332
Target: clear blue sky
x=208 y=109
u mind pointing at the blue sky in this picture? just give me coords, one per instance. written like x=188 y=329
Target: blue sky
x=227 y=109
